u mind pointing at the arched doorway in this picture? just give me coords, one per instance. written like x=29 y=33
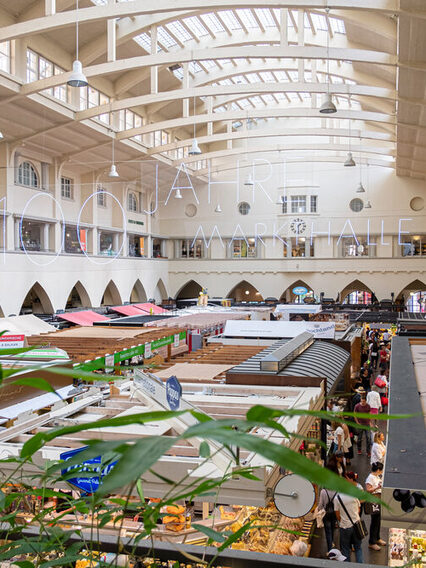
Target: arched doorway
x=36 y=301
x=357 y=293
x=190 y=290
x=413 y=297
x=138 y=293
x=78 y=297
x=111 y=296
x=245 y=292
x=295 y=294
x=160 y=292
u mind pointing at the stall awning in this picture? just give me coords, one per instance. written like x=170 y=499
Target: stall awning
x=85 y=318
x=27 y=325
x=128 y=310
x=151 y=308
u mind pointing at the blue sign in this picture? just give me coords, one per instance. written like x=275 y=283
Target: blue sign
x=300 y=290
x=88 y=484
x=173 y=393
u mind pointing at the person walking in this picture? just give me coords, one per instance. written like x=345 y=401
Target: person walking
x=374 y=400
x=373 y=484
x=378 y=449
x=326 y=503
x=347 y=512
x=364 y=408
x=374 y=352
x=338 y=438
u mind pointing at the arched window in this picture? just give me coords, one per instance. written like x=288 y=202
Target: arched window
x=27 y=175
x=358 y=297
x=417 y=302
x=132 y=203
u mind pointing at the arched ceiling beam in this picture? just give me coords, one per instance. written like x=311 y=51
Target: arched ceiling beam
x=185 y=55
x=290 y=112
x=246 y=89
x=139 y=7
x=258 y=149
x=271 y=132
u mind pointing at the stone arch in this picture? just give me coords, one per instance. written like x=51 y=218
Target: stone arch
x=138 y=293
x=245 y=292
x=78 y=297
x=36 y=301
x=111 y=295
x=189 y=290
x=355 y=286
x=413 y=287
x=1 y=313
x=160 y=292
x=290 y=297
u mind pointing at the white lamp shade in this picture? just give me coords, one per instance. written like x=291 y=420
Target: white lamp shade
x=218 y=208
x=113 y=172
x=1 y=135
x=249 y=180
x=178 y=194
x=328 y=107
x=195 y=149
x=77 y=78
x=349 y=162
x=360 y=188
x=367 y=205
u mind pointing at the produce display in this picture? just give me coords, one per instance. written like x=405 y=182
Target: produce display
x=269 y=530
x=407 y=547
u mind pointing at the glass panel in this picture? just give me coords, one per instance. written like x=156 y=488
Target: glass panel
x=212 y=22
x=196 y=26
x=298 y=204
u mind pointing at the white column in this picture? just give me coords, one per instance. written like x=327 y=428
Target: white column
x=283 y=27
x=115 y=242
x=49 y=7
x=154 y=69
x=45 y=243
x=111 y=40
x=17 y=240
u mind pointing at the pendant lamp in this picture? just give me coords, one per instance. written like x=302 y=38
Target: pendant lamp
x=218 y=208
x=360 y=188
x=113 y=170
x=249 y=180
x=328 y=107
x=349 y=162
x=195 y=149
x=77 y=77
x=367 y=205
x=178 y=194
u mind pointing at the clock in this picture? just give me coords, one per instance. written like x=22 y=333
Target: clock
x=294 y=496
x=298 y=226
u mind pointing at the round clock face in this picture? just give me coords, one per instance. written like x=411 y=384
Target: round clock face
x=298 y=226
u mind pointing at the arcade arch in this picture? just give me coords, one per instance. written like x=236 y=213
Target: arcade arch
x=138 y=293
x=245 y=292
x=78 y=297
x=111 y=296
x=36 y=301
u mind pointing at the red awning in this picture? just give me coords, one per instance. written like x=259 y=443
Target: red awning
x=151 y=309
x=85 y=318
x=128 y=310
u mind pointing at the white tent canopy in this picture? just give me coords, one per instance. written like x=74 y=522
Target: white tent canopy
x=25 y=325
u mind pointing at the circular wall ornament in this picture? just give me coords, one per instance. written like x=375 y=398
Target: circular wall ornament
x=190 y=210
x=298 y=226
x=356 y=205
x=244 y=208
x=417 y=203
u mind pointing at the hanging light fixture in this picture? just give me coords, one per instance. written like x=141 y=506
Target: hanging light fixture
x=218 y=208
x=367 y=205
x=77 y=77
x=349 y=162
x=1 y=135
x=113 y=170
x=195 y=149
x=178 y=194
x=360 y=188
x=249 y=180
x=328 y=107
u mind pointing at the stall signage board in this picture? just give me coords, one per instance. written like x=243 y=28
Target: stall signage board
x=176 y=340
x=173 y=392
x=87 y=483
x=12 y=341
x=109 y=363
x=148 y=350
x=300 y=290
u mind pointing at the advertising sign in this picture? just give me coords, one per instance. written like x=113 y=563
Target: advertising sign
x=173 y=392
x=109 y=363
x=176 y=340
x=148 y=350
x=12 y=341
x=300 y=290
x=87 y=483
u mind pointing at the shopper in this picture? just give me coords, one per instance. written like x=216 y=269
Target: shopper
x=336 y=463
x=365 y=379
x=347 y=513
x=326 y=504
x=347 y=444
x=364 y=408
x=384 y=357
x=374 y=400
x=381 y=382
x=338 y=438
x=373 y=484
x=378 y=450
x=374 y=352
x=359 y=392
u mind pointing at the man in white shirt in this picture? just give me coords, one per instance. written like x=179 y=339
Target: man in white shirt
x=348 y=537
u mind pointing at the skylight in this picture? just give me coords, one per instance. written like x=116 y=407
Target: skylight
x=179 y=31
x=265 y=17
x=246 y=16
x=165 y=38
x=196 y=26
x=144 y=40
x=337 y=25
x=212 y=22
x=229 y=19
x=252 y=77
x=267 y=77
x=320 y=22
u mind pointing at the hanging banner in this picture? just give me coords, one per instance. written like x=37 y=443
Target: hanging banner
x=173 y=392
x=142 y=246
x=12 y=341
x=86 y=479
x=83 y=242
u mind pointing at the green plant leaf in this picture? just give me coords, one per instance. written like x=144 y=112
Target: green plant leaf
x=24 y=564
x=36 y=383
x=137 y=459
x=212 y=534
x=234 y=537
x=204 y=450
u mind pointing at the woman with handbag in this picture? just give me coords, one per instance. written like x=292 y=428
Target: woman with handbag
x=373 y=484
x=326 y=504
x=348 y=515
x=378 y=450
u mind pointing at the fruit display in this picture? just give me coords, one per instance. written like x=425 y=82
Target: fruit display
x=407 y=547
x=175 y=519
